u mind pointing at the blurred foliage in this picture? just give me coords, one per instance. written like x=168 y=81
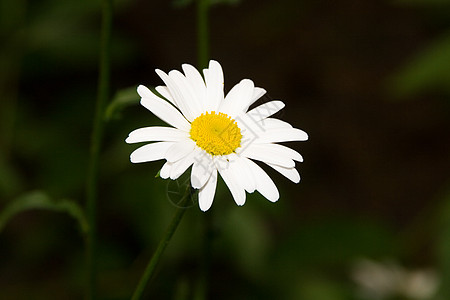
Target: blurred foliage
x=39 y=200
x=48 y=63
x=121 y=100
x=429 y=70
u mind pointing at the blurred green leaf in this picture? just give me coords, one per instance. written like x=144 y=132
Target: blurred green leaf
x=428 y=70
x=40 y=200
x=121 y=99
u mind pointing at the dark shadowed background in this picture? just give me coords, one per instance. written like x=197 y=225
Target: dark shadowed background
x=369 y=81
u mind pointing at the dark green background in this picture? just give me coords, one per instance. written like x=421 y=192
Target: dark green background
x=369 y=81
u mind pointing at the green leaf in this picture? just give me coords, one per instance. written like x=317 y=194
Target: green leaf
x=40 y=200
x=121 y=99
x=428 y=70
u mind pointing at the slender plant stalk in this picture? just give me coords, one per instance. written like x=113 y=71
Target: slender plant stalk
x=202 y=33
x=96 y=138
x=151 y=266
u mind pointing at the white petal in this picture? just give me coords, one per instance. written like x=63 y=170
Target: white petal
x=272 y=123
x=201 y=171
x=164 y=91
x=150 y=152
x=253 y=128
x=238 y=99
x=290 y=173
x=243 y=174
x=214 y=85
x=265 y=110
x=265 y=153
x=280 y=150
x=233 y=184
x=164 y=173
x=197 y=82
x=187 y=92
x=206 y=194
x=162 y=109
x=180 y=150
x=282 y=135
x=144 y=92
x=155 y=133
x=257 y=93
x=175 y=90
x=264 y=183
x=180 y=166
x=249 y=128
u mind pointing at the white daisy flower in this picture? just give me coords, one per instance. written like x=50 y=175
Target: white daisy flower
x=216 y=134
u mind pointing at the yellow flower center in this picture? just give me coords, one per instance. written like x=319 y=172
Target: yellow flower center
x=217 y=134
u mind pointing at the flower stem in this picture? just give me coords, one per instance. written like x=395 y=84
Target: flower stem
x=96 y=138
x=202 y=33
x=149 y=270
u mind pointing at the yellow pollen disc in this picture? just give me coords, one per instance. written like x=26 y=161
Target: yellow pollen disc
x=217 y=134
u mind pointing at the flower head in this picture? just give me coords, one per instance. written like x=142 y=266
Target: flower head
x=216 y=134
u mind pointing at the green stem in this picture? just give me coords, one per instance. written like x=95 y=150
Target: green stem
x=96 y=138
x=202 y=33
x=149 y=270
